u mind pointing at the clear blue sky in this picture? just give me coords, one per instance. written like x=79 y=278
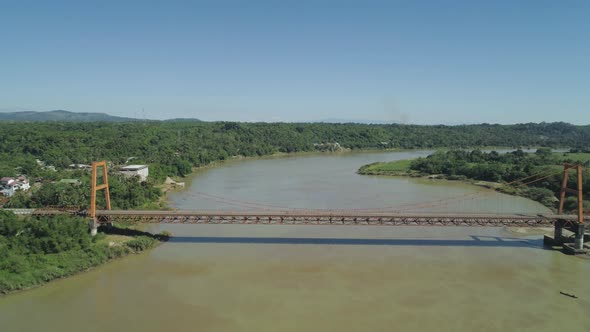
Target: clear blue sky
x=418 y=62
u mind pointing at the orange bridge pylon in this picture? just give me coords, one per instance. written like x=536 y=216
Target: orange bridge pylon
x=578 y=228
x=96 y=187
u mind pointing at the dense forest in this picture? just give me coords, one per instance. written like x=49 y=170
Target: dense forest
x=174 y=148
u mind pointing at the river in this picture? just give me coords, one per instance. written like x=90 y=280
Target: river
x=322 y=278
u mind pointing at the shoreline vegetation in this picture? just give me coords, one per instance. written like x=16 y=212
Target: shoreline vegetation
x=36 y=251
x=495 y=171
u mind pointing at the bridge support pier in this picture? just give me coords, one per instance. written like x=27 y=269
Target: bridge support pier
x=558 y=232
x=579 y=239
x=577 y=247
x=93 y=227
x=557 y=239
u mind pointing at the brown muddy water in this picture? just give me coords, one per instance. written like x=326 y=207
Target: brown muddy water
x=321 y=278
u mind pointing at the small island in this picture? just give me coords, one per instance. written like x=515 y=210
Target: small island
x=499 y=171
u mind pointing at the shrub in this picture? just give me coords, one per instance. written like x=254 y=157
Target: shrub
x=141 y=243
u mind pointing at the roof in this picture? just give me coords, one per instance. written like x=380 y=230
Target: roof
x=133 y=167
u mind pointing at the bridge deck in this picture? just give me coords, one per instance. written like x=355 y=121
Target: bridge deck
x=319 y=217
x=335 y=217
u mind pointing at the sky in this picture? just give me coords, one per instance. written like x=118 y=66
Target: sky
x=419 y=62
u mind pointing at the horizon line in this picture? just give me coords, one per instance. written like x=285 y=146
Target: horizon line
x=326 y=121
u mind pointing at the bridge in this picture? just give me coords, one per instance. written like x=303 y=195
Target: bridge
x=322 y=217
x=330 y=218
x=310 y=217
x=374 y=217
x=388 y=216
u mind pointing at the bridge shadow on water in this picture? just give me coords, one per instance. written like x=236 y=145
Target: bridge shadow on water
x=475 y=241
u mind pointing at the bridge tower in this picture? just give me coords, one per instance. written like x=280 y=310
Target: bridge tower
x=578 y=227
x=96 y=187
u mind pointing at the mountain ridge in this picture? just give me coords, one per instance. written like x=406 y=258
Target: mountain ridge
x=67 y=116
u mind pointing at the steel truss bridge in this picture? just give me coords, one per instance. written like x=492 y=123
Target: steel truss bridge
x=261 y=215
x=331 y=218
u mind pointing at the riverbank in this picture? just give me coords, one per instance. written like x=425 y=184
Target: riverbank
x=500 y=172
x=402 y=168
x=392 y=168
x=35 y=253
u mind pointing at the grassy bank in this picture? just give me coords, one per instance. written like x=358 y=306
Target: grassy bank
x=392 y=168
x=35 y=251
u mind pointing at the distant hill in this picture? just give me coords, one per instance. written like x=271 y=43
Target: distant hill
x=60 y=115
x=66 y=116
x=184 y=120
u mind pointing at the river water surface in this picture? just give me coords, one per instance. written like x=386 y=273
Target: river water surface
x=322 y=278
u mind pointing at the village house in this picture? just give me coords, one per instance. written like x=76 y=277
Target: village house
x=136 y=170
x=9 y=186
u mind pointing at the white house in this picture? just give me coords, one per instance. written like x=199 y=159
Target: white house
x=23 y=183
x=9 y=186
x=136 y=170
x=9 y=190
x=6 y=181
